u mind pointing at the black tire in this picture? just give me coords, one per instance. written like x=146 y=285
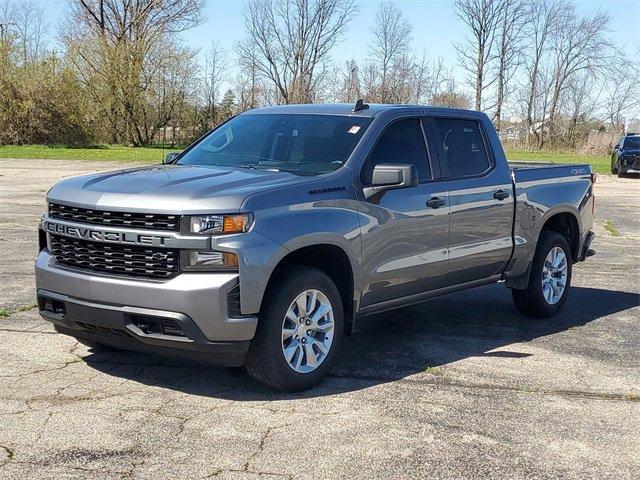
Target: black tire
x=531 y=301
x=614 y=169
x=265 y=359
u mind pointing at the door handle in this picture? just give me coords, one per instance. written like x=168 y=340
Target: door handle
x=501 y=194
x=435 y=202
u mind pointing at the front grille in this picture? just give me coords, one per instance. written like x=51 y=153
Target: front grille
x=151 y=221
x=115 y=259
x=97 y=328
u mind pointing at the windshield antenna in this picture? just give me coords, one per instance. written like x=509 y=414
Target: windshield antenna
x=360 y=105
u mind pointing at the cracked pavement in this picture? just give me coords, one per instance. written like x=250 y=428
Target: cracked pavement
x=461 y=386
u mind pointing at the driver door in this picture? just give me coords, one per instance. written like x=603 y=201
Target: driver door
x=405 y=232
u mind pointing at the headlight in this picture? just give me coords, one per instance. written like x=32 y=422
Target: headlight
x=217 y=224
x=207 y=261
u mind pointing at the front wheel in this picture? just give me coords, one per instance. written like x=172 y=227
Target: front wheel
x=299 y=331
x=549 y=280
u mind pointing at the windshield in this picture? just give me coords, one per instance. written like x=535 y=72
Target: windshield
x=632 y=143
x=308 y=144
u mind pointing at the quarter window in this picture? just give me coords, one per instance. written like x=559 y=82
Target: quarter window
x=401 y=143
x=461 y=148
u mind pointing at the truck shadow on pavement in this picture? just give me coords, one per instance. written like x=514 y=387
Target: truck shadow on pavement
x=389 y=346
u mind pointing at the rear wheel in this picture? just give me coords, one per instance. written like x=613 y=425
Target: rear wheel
x=299 y=331
x=549 y=280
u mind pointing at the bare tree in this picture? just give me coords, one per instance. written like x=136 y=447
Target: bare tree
x=349 y=90
x=581 y=104
x=216 y=69
x=390 y=49
x=420 y=79
x=579 y=44
x=542 y=22
x=514 y=17
x=250 y=86
x=451 y=98
x=483 y=17
x=440 y=80
x=622 y=96
x=288 y=41
x=31 y=28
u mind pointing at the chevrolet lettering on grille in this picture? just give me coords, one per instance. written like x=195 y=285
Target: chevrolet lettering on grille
x=102 y=235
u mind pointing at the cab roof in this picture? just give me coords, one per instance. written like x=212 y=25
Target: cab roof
x=344 y=109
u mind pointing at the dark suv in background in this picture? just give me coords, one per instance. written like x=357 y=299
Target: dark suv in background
x=626 y=155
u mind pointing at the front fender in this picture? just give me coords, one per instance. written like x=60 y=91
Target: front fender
x=281 y=230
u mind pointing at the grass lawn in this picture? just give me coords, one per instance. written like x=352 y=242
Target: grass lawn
x=600 y=163
x=92 y=152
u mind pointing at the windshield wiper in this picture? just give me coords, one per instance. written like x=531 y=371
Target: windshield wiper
x=254 y=166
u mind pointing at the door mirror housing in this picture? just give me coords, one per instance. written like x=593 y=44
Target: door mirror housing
x=391 y=176
x=171 y=156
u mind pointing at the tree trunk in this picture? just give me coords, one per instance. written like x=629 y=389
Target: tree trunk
x=479 y=78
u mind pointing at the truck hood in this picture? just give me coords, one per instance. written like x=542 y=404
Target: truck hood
x=184 y=189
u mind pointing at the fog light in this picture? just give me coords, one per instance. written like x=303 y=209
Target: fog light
x=205 y=261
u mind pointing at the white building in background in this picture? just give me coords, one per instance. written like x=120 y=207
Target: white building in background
x=632 y=127
x=514 y=129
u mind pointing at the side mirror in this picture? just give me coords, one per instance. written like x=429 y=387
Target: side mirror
x=389 y=176
x=171 y=156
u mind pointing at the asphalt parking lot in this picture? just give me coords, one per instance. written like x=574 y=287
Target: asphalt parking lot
x=462 y=386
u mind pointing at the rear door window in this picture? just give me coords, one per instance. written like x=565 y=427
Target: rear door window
x=461 y=147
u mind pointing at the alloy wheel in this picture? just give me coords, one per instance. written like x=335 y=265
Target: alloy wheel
x=307 y=331
x=554 y=275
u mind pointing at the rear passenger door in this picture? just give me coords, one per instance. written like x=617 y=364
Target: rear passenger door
x=404 y=240
x=480 y=199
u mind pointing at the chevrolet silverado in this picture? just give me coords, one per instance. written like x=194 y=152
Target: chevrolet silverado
x=266 y=240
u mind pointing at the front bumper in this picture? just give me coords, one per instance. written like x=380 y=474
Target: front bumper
x=629 y=166
x=197 y=302
x=128 y=328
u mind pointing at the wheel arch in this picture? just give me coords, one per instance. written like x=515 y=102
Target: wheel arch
x=566 y=224
x=563 y=219
x=331 y=259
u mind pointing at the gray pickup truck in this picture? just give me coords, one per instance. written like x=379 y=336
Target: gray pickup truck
x=263 y=242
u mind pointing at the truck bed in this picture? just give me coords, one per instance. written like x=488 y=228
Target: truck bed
x=542 y=189
x=531 y=171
